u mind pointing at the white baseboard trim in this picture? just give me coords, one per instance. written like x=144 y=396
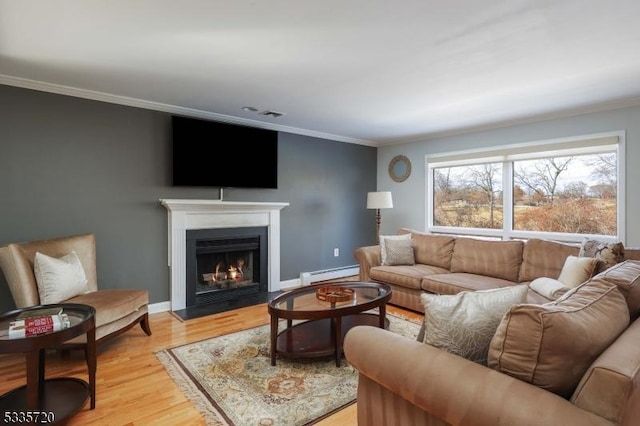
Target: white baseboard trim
x=289 y=284
x=154 y=308
x=311 y=277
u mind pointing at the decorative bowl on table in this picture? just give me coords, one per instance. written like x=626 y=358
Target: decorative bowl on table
x=334 y=294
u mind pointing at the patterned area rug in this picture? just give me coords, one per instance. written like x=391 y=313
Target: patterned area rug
x=230 y=380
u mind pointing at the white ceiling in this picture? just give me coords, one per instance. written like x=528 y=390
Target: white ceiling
x=364 y=71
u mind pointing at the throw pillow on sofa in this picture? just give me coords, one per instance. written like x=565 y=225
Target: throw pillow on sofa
x=59 y=279
x=607 y=254
x=553 y=345
x=577 y=270
x=465 y=323
x=396 y=250
x=548 y=287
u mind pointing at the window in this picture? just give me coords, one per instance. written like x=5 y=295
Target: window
x=565 y=190
x=468 y=196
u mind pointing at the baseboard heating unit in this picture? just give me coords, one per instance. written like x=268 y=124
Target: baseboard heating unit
x=307 y=278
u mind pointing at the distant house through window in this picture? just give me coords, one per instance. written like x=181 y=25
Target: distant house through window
x=565 y=189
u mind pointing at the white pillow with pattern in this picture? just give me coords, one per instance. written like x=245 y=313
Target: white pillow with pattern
x=465 y=323
x=59 y=279
x=396 y=250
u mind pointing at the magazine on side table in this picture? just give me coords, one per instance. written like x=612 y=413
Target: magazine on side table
x=38 y=321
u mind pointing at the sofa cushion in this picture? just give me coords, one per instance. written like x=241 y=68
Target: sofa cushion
x=553 y=345
x=453 y=283
x=431 y=249
x=383 y=246
x=111 y=305
x=606 y=253
x=499 y=259
x=542 y=258
x=626 y=276
x=59 y=279
x=464 y=323
x=397 y=251
x=577 y=270
x=404 y=275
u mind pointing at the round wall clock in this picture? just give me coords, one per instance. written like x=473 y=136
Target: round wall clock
x=399 y=168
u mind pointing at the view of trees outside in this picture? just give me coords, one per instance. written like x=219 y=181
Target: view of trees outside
x=468 y=196
x=574 y=195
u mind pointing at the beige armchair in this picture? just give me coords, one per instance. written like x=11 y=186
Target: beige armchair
x=116 y=310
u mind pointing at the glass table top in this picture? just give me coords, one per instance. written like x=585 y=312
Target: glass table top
x=306 y=299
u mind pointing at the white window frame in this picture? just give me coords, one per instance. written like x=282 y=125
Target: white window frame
x=578 y=145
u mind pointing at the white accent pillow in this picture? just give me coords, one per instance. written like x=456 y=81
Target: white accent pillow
x=577 y=270
x=465 y=323
x=396 y=250
x=548 y=287
x=59 y=279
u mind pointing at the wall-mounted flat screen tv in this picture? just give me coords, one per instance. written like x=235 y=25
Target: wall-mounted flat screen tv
x=209 y=153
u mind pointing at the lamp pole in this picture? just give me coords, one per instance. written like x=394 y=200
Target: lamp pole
x=378 y=222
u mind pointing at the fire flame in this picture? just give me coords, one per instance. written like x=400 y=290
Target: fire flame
x=240 y=263
x=234 y=272
x=218 y=266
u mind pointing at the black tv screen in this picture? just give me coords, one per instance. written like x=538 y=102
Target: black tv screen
x=209 y=153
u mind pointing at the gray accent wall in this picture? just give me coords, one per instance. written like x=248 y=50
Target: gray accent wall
x=410 y=201
x=70 y=166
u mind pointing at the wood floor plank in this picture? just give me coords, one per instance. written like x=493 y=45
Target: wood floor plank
x=132 y=386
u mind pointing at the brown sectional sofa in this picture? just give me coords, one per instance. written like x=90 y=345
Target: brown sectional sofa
x=406 y=382
x=572 y=362
x=448 y=265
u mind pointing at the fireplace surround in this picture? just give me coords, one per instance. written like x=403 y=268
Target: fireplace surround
x=186 y=214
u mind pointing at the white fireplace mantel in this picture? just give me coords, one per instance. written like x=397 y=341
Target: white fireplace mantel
x=205 y=214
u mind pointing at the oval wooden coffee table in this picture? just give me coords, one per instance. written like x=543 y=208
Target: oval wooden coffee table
x=327 y=321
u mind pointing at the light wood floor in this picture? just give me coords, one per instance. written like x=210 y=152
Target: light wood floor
x=132 y=386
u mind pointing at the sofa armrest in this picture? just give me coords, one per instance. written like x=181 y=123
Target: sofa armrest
x=449 y=388
x=632 y=253
x=367 y=257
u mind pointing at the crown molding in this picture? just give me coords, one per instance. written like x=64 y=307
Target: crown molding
x=171 y=109
x=190 y=112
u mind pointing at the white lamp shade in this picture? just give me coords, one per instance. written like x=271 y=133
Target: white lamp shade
x=379 y=200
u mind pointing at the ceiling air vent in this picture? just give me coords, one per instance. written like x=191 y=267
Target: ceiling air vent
x=273 y=114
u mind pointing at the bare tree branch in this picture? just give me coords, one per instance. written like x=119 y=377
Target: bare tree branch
x=605 y=168
x=485 y=177
x=543 y=175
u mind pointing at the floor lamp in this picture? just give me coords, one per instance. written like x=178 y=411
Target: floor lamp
x=379 y=200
